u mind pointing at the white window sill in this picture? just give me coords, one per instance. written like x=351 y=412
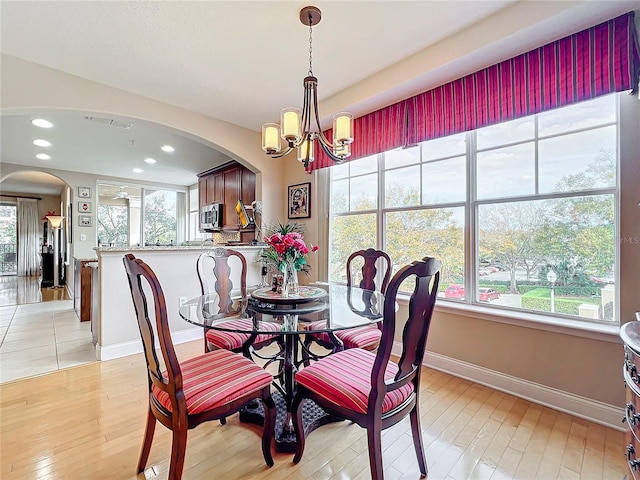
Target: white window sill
x=577 y=328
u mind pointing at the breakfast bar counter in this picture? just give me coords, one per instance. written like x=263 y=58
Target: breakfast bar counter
x=175 y=267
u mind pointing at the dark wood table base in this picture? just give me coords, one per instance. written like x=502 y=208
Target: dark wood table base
x=312 y=417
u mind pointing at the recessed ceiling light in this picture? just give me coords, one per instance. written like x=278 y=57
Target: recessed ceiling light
x=43 y=156
x=137 y=170
x=150 y=160
x=41 y=143
x=42 y=123
x=168 y=148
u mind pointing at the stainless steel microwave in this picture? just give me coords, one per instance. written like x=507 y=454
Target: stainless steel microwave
x=211 y=217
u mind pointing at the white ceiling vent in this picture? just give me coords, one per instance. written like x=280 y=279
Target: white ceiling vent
x=110 y=121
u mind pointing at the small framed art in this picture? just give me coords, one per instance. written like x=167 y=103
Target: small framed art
x=85 y=220
x=299 y=203
x=84 y=207
x=84 y=192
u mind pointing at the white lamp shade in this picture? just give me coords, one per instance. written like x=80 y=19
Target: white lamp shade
x=55 y=220
x=290 y=121
x=271 y=138
x=306 y=146
x=342 y=128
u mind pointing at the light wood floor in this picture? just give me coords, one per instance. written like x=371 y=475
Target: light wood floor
x=87 y=422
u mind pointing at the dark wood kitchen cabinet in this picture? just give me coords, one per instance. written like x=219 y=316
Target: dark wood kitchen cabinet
x=227 y=184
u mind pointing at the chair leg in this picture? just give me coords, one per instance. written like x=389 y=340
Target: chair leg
x=268 y=428
x=298 y=427
x=178 y=450
x=146 y=442
x=416 y=432
x=374 y=437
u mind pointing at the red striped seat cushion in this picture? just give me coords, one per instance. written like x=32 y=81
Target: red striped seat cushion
x=215 y=379
x=344 y=379
x=366 y=337
x=233 y=340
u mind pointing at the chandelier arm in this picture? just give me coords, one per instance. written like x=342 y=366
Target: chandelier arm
x=287 y=151
x=330 y=154
x=321 y=138
x=304 y=123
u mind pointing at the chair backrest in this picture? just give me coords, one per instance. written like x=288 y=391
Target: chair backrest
x=214 y=273
x=426 y=275
x=369 y=270
x=140 y=275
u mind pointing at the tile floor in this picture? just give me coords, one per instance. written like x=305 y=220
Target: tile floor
x=38 y=338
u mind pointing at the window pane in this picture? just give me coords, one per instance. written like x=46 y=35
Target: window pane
x=578 y=161
x=581 y=115
x=364 y=165
x=340 y=171
x=339 y=196
x=402 y=187
x=444 y=147
x=444 y=181
x=364 y=192
x=193 y=198
x=574 y=236
x=348 y=234
x=517 y=130
x=437 y=232
x=401 y=157
x=113 y=225
x=506 y=172
x=160 y=217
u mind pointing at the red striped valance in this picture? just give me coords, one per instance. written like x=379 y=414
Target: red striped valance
x=597 y=61
x=382 y=130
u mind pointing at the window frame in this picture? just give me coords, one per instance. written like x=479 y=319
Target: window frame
x=512 y=315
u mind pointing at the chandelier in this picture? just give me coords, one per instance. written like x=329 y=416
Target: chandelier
x=300 y=130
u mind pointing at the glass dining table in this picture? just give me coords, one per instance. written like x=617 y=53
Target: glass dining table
x=312 y=310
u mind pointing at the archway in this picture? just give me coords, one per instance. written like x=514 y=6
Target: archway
x=28 y=196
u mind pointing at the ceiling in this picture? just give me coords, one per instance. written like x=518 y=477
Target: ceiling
x=242 y=61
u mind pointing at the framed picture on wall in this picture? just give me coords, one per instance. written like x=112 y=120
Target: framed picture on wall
x=84 y=207
x=84 y=192
x=85 y=220
x=299 y=201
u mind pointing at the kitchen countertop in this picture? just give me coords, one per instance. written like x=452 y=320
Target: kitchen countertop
x=207 y=246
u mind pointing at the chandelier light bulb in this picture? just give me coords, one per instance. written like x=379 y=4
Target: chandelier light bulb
x=271 y=138
x=305 y=151
x=343 y=128
x=290 y=124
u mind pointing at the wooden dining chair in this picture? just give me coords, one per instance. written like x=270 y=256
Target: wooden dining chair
x=367 y=337
x=369 y=388
x=207 y=387
x=214 y=272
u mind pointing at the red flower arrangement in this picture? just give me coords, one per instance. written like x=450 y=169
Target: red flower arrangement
x=287 y=247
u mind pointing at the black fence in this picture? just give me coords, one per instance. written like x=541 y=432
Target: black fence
x=8 y=258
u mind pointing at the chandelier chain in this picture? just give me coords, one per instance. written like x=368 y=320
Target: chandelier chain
x=310 y=48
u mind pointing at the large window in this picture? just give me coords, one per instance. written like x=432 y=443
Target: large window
x=130 y=216
x=522 y=214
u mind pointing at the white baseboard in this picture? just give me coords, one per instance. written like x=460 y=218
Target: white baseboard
x=582 y=407
x=130 y=348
